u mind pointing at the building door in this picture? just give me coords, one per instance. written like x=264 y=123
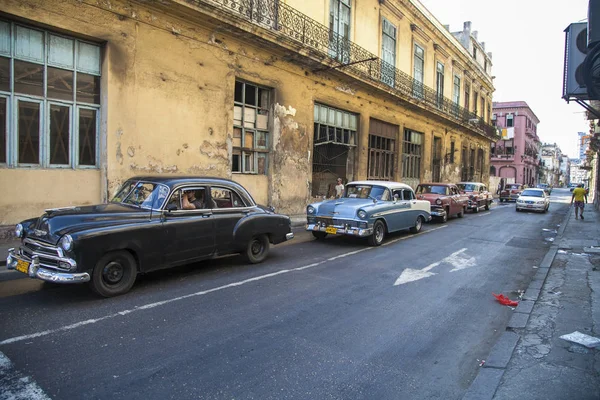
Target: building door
x=339 y=26
x=334 y=145
x=465 y=165
x=388 y=52
x=436 y=160
x=382 y=150
x=412 y=152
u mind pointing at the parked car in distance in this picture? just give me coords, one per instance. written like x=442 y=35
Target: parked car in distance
x=478 y=195
x=151 y=223
x=511 y=192
x=533 y=199
x=369 y=209
x=547 y=188
x=445 y=199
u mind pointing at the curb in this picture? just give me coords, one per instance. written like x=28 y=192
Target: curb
x=489 y=377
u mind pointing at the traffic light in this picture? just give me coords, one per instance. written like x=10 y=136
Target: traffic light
x=576 y=48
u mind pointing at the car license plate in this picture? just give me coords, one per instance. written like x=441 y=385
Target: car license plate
x=331 y=229
x=23 y=266
x=529 y=206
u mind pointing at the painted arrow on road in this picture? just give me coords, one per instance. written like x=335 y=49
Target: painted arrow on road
x=457 y=259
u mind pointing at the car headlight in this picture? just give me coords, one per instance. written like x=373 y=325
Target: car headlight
x=362 y=214
x=66 y=243
x=19 y=230
x=438 y=201
x=310 y=210
x=520 y=201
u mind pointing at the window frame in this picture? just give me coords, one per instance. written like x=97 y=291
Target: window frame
x=45 y=102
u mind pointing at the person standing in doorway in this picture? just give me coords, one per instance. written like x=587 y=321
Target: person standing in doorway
x=580 y=198
x=339 y=188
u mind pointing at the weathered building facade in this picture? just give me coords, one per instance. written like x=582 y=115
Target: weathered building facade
x=515 y=157
x=282 y=97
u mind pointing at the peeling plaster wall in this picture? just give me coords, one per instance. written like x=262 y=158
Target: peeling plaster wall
x=168 y=91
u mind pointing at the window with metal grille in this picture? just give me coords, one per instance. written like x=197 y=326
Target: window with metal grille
x=382 y=152
x=251 y=131
x=388 y=53
x=439 y=83
x=333 y=125
x=49 y=98
x=339 y=28
x=412 y=151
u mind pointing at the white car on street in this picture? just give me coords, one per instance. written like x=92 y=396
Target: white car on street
x=534 y=200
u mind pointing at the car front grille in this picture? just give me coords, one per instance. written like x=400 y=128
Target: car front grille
x=336 y=222
x=48 y=254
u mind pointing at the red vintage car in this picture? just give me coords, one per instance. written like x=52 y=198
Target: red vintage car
x=445 y=198
x=478 y=195
x=511 y=192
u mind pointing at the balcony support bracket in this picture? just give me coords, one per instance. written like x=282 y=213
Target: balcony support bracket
x=344 y=65
x=588 y=107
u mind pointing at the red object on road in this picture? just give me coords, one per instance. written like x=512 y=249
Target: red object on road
x=505 y=300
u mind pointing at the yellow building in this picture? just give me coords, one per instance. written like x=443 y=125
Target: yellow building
x=281 y=96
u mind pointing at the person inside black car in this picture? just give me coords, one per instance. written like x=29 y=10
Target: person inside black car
x=190 y=202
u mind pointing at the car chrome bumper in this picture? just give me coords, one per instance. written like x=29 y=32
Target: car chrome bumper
x=351 y=231
x=289 y=236
x=439 y=213
x=38 y=272
x=531 y=207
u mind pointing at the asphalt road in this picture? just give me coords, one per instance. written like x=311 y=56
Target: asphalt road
x=332 y=319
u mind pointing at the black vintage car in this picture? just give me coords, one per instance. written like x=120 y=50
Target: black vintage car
x=151 y=223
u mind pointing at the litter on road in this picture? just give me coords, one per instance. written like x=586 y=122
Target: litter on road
x=505 y=300
x=583 y=339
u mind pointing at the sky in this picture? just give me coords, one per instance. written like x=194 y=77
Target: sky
x=527 y=41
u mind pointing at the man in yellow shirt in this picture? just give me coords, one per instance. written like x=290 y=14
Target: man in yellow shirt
x=579 y=195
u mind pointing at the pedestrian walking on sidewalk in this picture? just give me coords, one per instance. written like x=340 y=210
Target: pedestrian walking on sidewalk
x=339 y=188
x=580 y=198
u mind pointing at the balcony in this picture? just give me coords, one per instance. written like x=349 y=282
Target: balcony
x=336 y=52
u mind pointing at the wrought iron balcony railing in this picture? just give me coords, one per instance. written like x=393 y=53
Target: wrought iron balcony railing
x=275 y=15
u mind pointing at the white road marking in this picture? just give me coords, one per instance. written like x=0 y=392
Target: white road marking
x=457 y=259
x=201 y=293
x=16 y=386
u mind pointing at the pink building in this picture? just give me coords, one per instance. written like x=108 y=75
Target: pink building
x=517 y=154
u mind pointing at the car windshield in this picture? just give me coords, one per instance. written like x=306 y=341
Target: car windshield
x=532 y=193
x=542 y=185
x=365 y=192
x=431 y=189
x=467 y=187
x=142 y=194
x=512 y=186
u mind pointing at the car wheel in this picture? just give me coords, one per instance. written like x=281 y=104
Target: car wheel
x=418 y=225
x=487 y=205
x=461 y=213
x=319 y=235
x=257 y=249
x=378 y=233
x=476 y=209
x=444 y=219
x=114 y=274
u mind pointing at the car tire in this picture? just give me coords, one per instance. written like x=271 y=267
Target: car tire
x=461 y=213
x=257 y=249
x=487 y=205
x=418 y=225
x=319 y=235
x=476 y=209
x=114 y=274
x=444 y=219
x=378 y=233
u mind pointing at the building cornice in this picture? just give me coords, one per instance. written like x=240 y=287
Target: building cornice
x=391 y=7
x=439 y=49
x=419 y=32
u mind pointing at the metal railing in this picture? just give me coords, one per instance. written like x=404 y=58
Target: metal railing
x=277 y=16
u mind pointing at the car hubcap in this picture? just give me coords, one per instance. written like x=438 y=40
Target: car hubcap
x=379 y=234
x=418 y=226
x=112 y=272
x=256 y=247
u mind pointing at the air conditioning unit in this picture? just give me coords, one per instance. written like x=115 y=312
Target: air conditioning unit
x=575 y=52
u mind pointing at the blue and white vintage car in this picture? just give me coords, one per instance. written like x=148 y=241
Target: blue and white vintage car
x=369 y=209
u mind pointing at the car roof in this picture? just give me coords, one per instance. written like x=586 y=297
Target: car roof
x=470 y=183
x=437 y=183
x=387 y=184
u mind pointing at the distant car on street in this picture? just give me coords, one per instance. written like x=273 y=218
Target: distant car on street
x=547 y=188
x=151 y=223
x=445 y=198
x=369 y=209
x=511 y=192
x=533 y=199
x=478 y=194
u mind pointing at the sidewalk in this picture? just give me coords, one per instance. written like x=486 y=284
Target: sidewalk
x=530 y=360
